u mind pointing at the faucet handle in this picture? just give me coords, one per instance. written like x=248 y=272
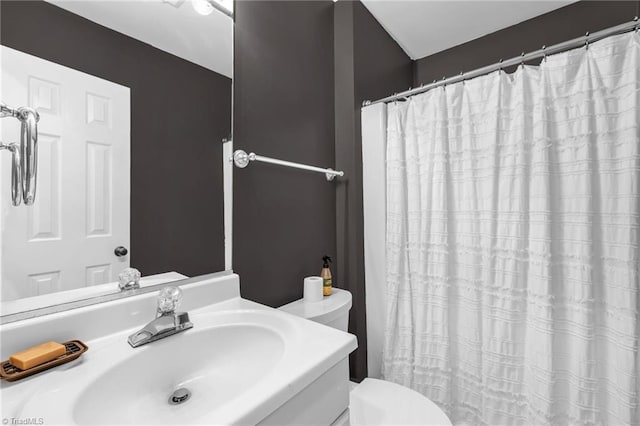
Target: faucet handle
x=129 y=279
x=169 y=299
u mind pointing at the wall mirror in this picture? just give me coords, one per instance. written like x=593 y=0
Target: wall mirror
x=134 y=102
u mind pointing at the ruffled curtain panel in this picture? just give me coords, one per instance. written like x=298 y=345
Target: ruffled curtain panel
x=512 y=242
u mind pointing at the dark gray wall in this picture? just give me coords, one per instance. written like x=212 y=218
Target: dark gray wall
x=368 y=64
x=179 y=114
x=284 y=219
x=554 y=27
x=284 y=102
x=381 y=66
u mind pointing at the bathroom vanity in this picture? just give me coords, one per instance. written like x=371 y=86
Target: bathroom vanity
x=241 y=363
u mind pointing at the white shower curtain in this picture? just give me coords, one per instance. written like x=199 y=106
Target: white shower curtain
x=513 y=210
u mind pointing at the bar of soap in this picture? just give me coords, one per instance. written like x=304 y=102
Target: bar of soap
x=37 y=355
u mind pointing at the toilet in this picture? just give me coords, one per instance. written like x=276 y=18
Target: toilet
x=371 y=402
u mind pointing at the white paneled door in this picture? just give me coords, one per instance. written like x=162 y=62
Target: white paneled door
x=67 y=239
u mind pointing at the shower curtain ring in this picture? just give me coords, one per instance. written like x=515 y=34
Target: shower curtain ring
x=500 y=64
x=586 y=40
x=544 y=52
x=405 y=98
x=522 y=59
x=636 y=19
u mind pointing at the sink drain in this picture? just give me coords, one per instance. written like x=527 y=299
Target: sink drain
x=179 y=396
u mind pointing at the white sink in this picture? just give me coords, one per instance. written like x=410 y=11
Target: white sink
x=216 y=364
x=242 y=362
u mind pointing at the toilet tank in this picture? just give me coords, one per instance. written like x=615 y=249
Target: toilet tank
x=332 y=311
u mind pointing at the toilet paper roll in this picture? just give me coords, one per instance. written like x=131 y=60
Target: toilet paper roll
x=313 y=289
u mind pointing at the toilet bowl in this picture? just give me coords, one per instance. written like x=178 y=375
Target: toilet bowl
x=371 y=402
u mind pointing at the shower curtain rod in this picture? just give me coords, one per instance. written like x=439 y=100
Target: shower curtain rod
x=540 y=53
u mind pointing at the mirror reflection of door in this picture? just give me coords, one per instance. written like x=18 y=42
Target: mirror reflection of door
x=81 y=214
x=154 y=135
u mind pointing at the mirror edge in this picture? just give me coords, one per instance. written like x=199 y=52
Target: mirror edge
x=62 y=307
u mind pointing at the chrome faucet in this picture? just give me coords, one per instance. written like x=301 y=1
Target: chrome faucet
x=167 y=321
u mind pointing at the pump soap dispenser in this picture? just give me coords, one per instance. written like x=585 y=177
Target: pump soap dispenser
x=327 y=281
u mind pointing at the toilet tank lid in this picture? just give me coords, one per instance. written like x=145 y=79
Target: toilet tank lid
x=329 y=308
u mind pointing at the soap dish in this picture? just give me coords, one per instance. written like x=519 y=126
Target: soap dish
x=75 y=348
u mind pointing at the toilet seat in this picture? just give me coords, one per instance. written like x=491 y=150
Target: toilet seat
x=378 y=402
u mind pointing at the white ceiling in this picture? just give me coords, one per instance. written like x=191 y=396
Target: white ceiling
x=424 y=27
x=181 y=31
